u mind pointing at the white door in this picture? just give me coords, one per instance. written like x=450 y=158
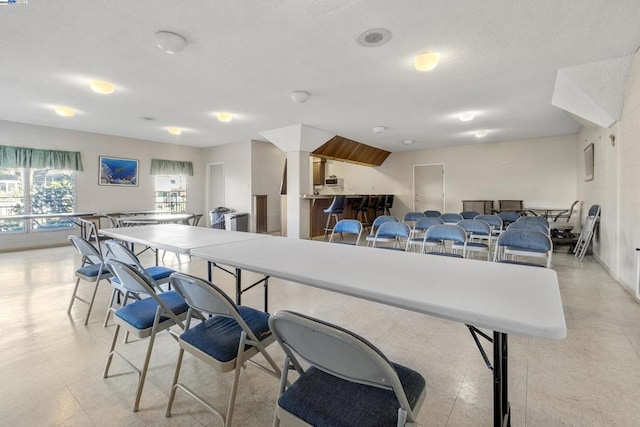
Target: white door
x=428 y=182
x=215 y=186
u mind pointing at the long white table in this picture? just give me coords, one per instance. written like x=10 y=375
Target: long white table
x=508 y=299
x=177 y=238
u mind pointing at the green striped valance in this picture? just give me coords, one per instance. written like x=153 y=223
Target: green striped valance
x=171 y=167
x=22 y=157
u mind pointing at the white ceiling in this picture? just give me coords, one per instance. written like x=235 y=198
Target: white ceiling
x=498 y=59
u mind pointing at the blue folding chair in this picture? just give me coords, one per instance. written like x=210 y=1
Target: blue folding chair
x=515 y=243
x=397 y=233
x=352 y=227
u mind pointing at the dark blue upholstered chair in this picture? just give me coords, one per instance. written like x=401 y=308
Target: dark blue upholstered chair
x=508 y=217
x=529 y=225
x=419 y=229
x=229 y=337
x=143 y=318
x=91 y=270
x=539 y=219
x=362 y=210
x=377 y=223
x=514 y=243
x=388 y=204
x=397 y=233
x=432 y=213
x=410 y=218
x=451 y=218
x=155 y=274
x=469 y=214
x=478 y=232
x=333 y=211
x=448 y=232
x=346 y=226
x=349 y=382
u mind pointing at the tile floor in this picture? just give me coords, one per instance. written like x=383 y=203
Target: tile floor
x=51 y=364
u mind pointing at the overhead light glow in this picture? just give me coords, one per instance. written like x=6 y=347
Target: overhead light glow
x=174 y=130
x=378 y=129
x=426 y=61
x=481 y=133
x=224 y=117
x=466 y=117
x=64 y=111
x=102 y=86
x=407 y=141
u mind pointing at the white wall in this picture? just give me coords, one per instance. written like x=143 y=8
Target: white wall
x=541 y=172
x=90 y=196
x=616 y=185
x=267 y=167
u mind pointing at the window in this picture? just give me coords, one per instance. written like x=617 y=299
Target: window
x=36 y=191
x=171 y=193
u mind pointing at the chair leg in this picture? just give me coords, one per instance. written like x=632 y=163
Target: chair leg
x=145 y=367
x=174 y=386
x=93 y=297
x=326 y=227
x=73 y=296
x=236 y=377
x=105 y=374
x=114 y=292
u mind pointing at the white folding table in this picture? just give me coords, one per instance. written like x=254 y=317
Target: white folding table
x=507 y=299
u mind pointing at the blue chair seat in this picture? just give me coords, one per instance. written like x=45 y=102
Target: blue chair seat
x=140 y=314
x=156 y=272
x=322 y=399
x=219 y=336
x=92 y=270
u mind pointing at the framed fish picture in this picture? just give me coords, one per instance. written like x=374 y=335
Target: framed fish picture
x=119 y=172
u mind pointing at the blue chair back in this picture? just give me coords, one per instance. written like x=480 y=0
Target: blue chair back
x=530 y=240
x=412 y=216
x=348 y=226
x=337 y=205
x=432 y=214
x=539 y=219
x=451 y=218
x=475 y=226
x=594 y=210
x=393 y=229
x=426 y=222
x=493 y=220
x=529 y=225
x=508 y=217
x=450 y=232
x=469 y=214
x=381 y=220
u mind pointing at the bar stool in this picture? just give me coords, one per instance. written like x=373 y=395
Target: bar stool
x=379 y=206
x=336 y=208
x=361 y=211
x=388 y=204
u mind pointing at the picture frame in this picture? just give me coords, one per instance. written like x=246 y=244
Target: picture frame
x=588 y=163
x=115 y=171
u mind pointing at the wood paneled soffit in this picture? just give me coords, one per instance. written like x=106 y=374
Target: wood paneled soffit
x=347 y=150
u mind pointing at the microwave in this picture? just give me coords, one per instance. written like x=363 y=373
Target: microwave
x=333 y=182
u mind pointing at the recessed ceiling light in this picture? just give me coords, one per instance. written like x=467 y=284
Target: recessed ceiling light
x=378 y=129
x=299 y=96
x=169 y=42
x=102 y=86
x=407 y=141
x=481 y=133
x=466 y=117
x=224 y=117
x=64 y=111
x=374 y=37
x=426 y=61
x=174 y=130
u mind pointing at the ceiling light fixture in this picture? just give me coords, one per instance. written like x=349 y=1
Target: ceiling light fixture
x=374 y=37
x=407 y=141
x=481 y=133
x=101 y=86
x=169 y=42
x=224 y=117
x=299 y=96
x=174 y=130
x=378 y=129
x=64 y=111
x=426 y=61
x=466 y=117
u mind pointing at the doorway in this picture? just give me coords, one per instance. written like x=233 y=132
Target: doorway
x=215 y=186
x=428 y=184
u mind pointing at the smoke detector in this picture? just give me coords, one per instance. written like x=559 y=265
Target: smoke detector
x=374 y=37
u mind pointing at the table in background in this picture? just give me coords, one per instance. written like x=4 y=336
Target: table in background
x=69 y=216
x=508 y=299
x=181 y=218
